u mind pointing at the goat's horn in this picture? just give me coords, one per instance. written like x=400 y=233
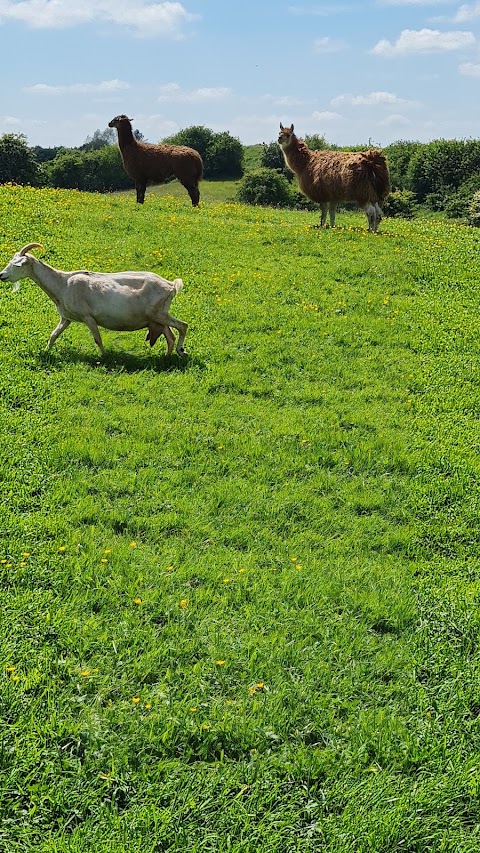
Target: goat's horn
x=30 y=246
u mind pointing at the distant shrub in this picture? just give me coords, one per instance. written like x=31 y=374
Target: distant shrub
x=474 y=210
x=400 y=203
x=457 y=203
x=265 y=187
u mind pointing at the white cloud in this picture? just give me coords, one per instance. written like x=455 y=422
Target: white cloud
x=395 y=120
x=144 y=18
x=326 y=116
x=106 y=87
x=424 y=41
x=283 y=100
x=328 y=45
x=372 y=99
x=467 y=12
x=174 y=92
x=9 y=121
x=470 y=69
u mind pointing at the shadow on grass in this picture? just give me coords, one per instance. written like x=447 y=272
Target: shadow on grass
x=121 y=362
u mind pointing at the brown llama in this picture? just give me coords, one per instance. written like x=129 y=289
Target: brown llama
x=330 y=177
x=146 y=163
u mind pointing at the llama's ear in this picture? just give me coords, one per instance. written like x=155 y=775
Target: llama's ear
x=281 y=126
x=291 y=128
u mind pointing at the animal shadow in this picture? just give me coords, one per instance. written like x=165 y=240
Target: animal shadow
x=116 y=361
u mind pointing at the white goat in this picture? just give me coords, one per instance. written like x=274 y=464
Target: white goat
x=123 y=301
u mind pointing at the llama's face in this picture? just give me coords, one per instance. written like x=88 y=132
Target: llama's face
x=118 y=121
x=285 y=136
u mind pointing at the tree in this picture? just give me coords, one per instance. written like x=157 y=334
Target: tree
x=222 y=154
x=18 y=163
x=100 y=139
x=272 y=158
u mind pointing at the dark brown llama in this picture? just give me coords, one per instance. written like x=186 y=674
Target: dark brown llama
x=330 y=177
x=146 y=163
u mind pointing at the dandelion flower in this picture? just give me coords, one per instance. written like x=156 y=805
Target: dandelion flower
x=135 y=700
x=193 y=710
x=220 y=662
x=252 y=689
x=25 y=553
x=62 y=548
x=137 y=600
x=85 y=673
x=169 y=569
x=104 y=560
x=133 y=544
x=183 y=602
x=148 y=705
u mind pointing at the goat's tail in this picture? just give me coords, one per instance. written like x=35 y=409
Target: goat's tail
x=378 y=173
x=178 y=284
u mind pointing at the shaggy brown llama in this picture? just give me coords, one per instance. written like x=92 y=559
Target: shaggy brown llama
x=329 y=177
x=146 y=163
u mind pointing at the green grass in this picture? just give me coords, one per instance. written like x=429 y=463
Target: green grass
x=240 y=592
x=210 y=191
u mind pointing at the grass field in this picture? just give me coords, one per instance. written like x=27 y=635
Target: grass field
x=240 y=592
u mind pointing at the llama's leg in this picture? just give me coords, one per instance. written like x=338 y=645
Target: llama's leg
x=193 y=191
x=379 y=212
x=90 y=322
x=140 y=187
x=323 y=208
x=63 y=324
x=182 y=331
x=332 y=209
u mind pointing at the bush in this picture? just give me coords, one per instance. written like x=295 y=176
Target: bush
x=265 y=187
x=18 y=163
x=400 y=203
x=222 y=153
x=474 y=210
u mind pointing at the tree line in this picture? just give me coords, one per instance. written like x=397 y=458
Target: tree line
x=442 y=175
x=96 y=166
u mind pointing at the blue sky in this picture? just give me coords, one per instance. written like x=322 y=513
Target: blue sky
x=381 y=70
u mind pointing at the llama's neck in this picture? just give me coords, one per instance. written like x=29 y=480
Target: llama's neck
x=297 y=154
x=125 y=135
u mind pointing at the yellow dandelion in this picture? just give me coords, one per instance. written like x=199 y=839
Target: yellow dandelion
x=133 y=544
x=260 y=685
x=205 y=727
x=220 y=662
x=62 y=548
x=135 y=700
x=107 y=550
x=11 y=669
x=241 y=571
x=137 y=600
x=3 y=562
x=169 y=569
x=85 y=673
x=293 y=559
x=22 y=563
x=227 y=580
x=104 y=560
x=252 y=689
x=193 y=710
x=25 y=553
x=298 y=566
x=148 y=705
x=183 y=602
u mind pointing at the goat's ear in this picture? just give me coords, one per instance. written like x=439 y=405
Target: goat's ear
x=19 y=260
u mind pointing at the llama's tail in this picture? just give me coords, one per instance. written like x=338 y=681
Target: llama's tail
x=378 y=173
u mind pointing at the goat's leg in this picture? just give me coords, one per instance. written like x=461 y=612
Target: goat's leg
x=154 y=332
x=90 y=322
x=140 y=187
x=63 y=324
x=182 y=331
